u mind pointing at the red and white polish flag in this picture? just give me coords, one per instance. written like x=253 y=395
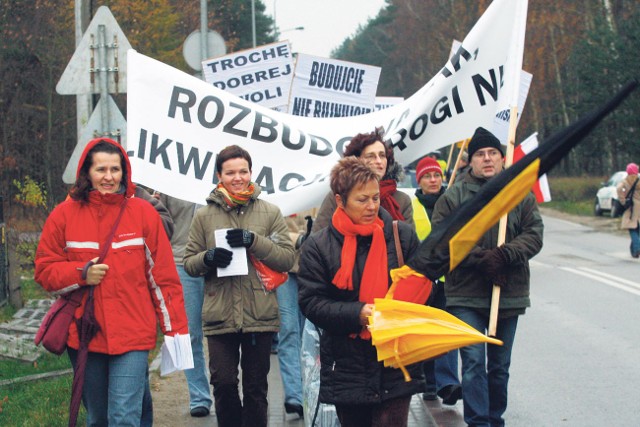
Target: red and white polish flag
x=541 y=187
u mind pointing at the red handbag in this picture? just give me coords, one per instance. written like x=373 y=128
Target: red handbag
x=269 y=277
x=54 y=329
x=415 y=289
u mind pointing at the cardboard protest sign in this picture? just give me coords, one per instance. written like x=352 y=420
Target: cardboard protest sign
x=261 y=75
x=325 y=87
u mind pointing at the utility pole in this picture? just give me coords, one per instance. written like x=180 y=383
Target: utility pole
x=204 y=31
x=253 y=21
x=84 y=103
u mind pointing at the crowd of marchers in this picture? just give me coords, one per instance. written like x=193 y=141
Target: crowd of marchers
x=139 y=261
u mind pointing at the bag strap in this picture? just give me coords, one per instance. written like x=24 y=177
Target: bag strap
x=630 y=196
x=396 y=238
x=107 y=244
x=632 y=189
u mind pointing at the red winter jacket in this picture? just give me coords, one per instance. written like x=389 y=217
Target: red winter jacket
x=142 y=277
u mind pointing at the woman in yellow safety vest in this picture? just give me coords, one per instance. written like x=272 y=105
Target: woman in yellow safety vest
x=429 y=178
x=441 y=374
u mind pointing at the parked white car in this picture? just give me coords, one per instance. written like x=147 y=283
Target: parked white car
x=409 y=184
x=607 y=196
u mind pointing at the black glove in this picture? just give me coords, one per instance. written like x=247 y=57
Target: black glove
x=492 y=262
x=218 y=257
x=304 y=236
x=500 y=278
x=238 y=237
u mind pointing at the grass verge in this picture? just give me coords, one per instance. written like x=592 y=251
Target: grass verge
x=10 y=368
x=38 y=403
x=582 y=208
x=574 y=195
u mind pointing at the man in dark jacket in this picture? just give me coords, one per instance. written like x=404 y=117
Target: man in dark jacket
x=469 y=286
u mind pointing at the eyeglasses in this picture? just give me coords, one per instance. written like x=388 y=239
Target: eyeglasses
x=485 y=153
x=373 y=156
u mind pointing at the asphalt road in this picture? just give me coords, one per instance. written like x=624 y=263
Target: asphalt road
x=577 y=350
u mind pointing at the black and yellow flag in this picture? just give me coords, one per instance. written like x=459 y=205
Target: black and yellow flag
x=451 y=240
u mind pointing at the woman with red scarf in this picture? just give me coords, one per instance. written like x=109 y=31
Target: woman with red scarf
x=239 y=317
x=343 y=267
x=371 y=148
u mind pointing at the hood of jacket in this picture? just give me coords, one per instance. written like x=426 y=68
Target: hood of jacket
x=394 y=172
x=130 y=186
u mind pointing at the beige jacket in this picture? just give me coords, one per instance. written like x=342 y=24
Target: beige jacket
x=297 y=228
x=630 y=217
x=239 y=303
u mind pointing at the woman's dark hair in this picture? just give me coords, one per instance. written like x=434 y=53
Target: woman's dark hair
x=362 y=140
x=82 y=186
x=348 y=173
x=231 y=152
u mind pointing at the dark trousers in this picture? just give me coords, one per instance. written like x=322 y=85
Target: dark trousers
x=253 y=352
x=437 y=299
x=392 y=412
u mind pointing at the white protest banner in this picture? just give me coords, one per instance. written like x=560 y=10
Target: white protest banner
x=178 y=123
x=325 y=87
x=516 y=93
x=383 y=102
x=261 y=75
x=500 y=126
x=501 y=121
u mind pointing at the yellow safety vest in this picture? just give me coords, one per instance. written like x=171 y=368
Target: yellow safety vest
x=421 y=219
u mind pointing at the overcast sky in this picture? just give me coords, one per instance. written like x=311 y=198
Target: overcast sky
x=326 y=22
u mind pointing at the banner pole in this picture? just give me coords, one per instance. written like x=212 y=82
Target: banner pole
x=449 y=161
x=463 y=147
x=502 y=228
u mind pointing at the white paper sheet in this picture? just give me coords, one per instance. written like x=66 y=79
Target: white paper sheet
x=176 y=354
x=239 y=265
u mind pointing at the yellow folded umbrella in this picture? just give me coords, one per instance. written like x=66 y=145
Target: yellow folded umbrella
x=405 y=333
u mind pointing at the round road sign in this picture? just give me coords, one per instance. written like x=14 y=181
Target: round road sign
x=191 y=48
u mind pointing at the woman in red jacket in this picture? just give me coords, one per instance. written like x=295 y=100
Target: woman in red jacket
x=136 y=282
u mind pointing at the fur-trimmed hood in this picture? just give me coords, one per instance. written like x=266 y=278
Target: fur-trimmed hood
x=395 y=171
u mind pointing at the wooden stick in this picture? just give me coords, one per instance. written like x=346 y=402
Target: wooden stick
x=465 y=142
x=502 y=228
x=444 y=173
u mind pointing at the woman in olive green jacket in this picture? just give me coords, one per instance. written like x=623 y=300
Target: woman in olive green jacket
x=239 y=317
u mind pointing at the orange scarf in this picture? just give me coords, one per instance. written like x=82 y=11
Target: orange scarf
x=374 y=282
x=234 y=200
x=387 y=188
